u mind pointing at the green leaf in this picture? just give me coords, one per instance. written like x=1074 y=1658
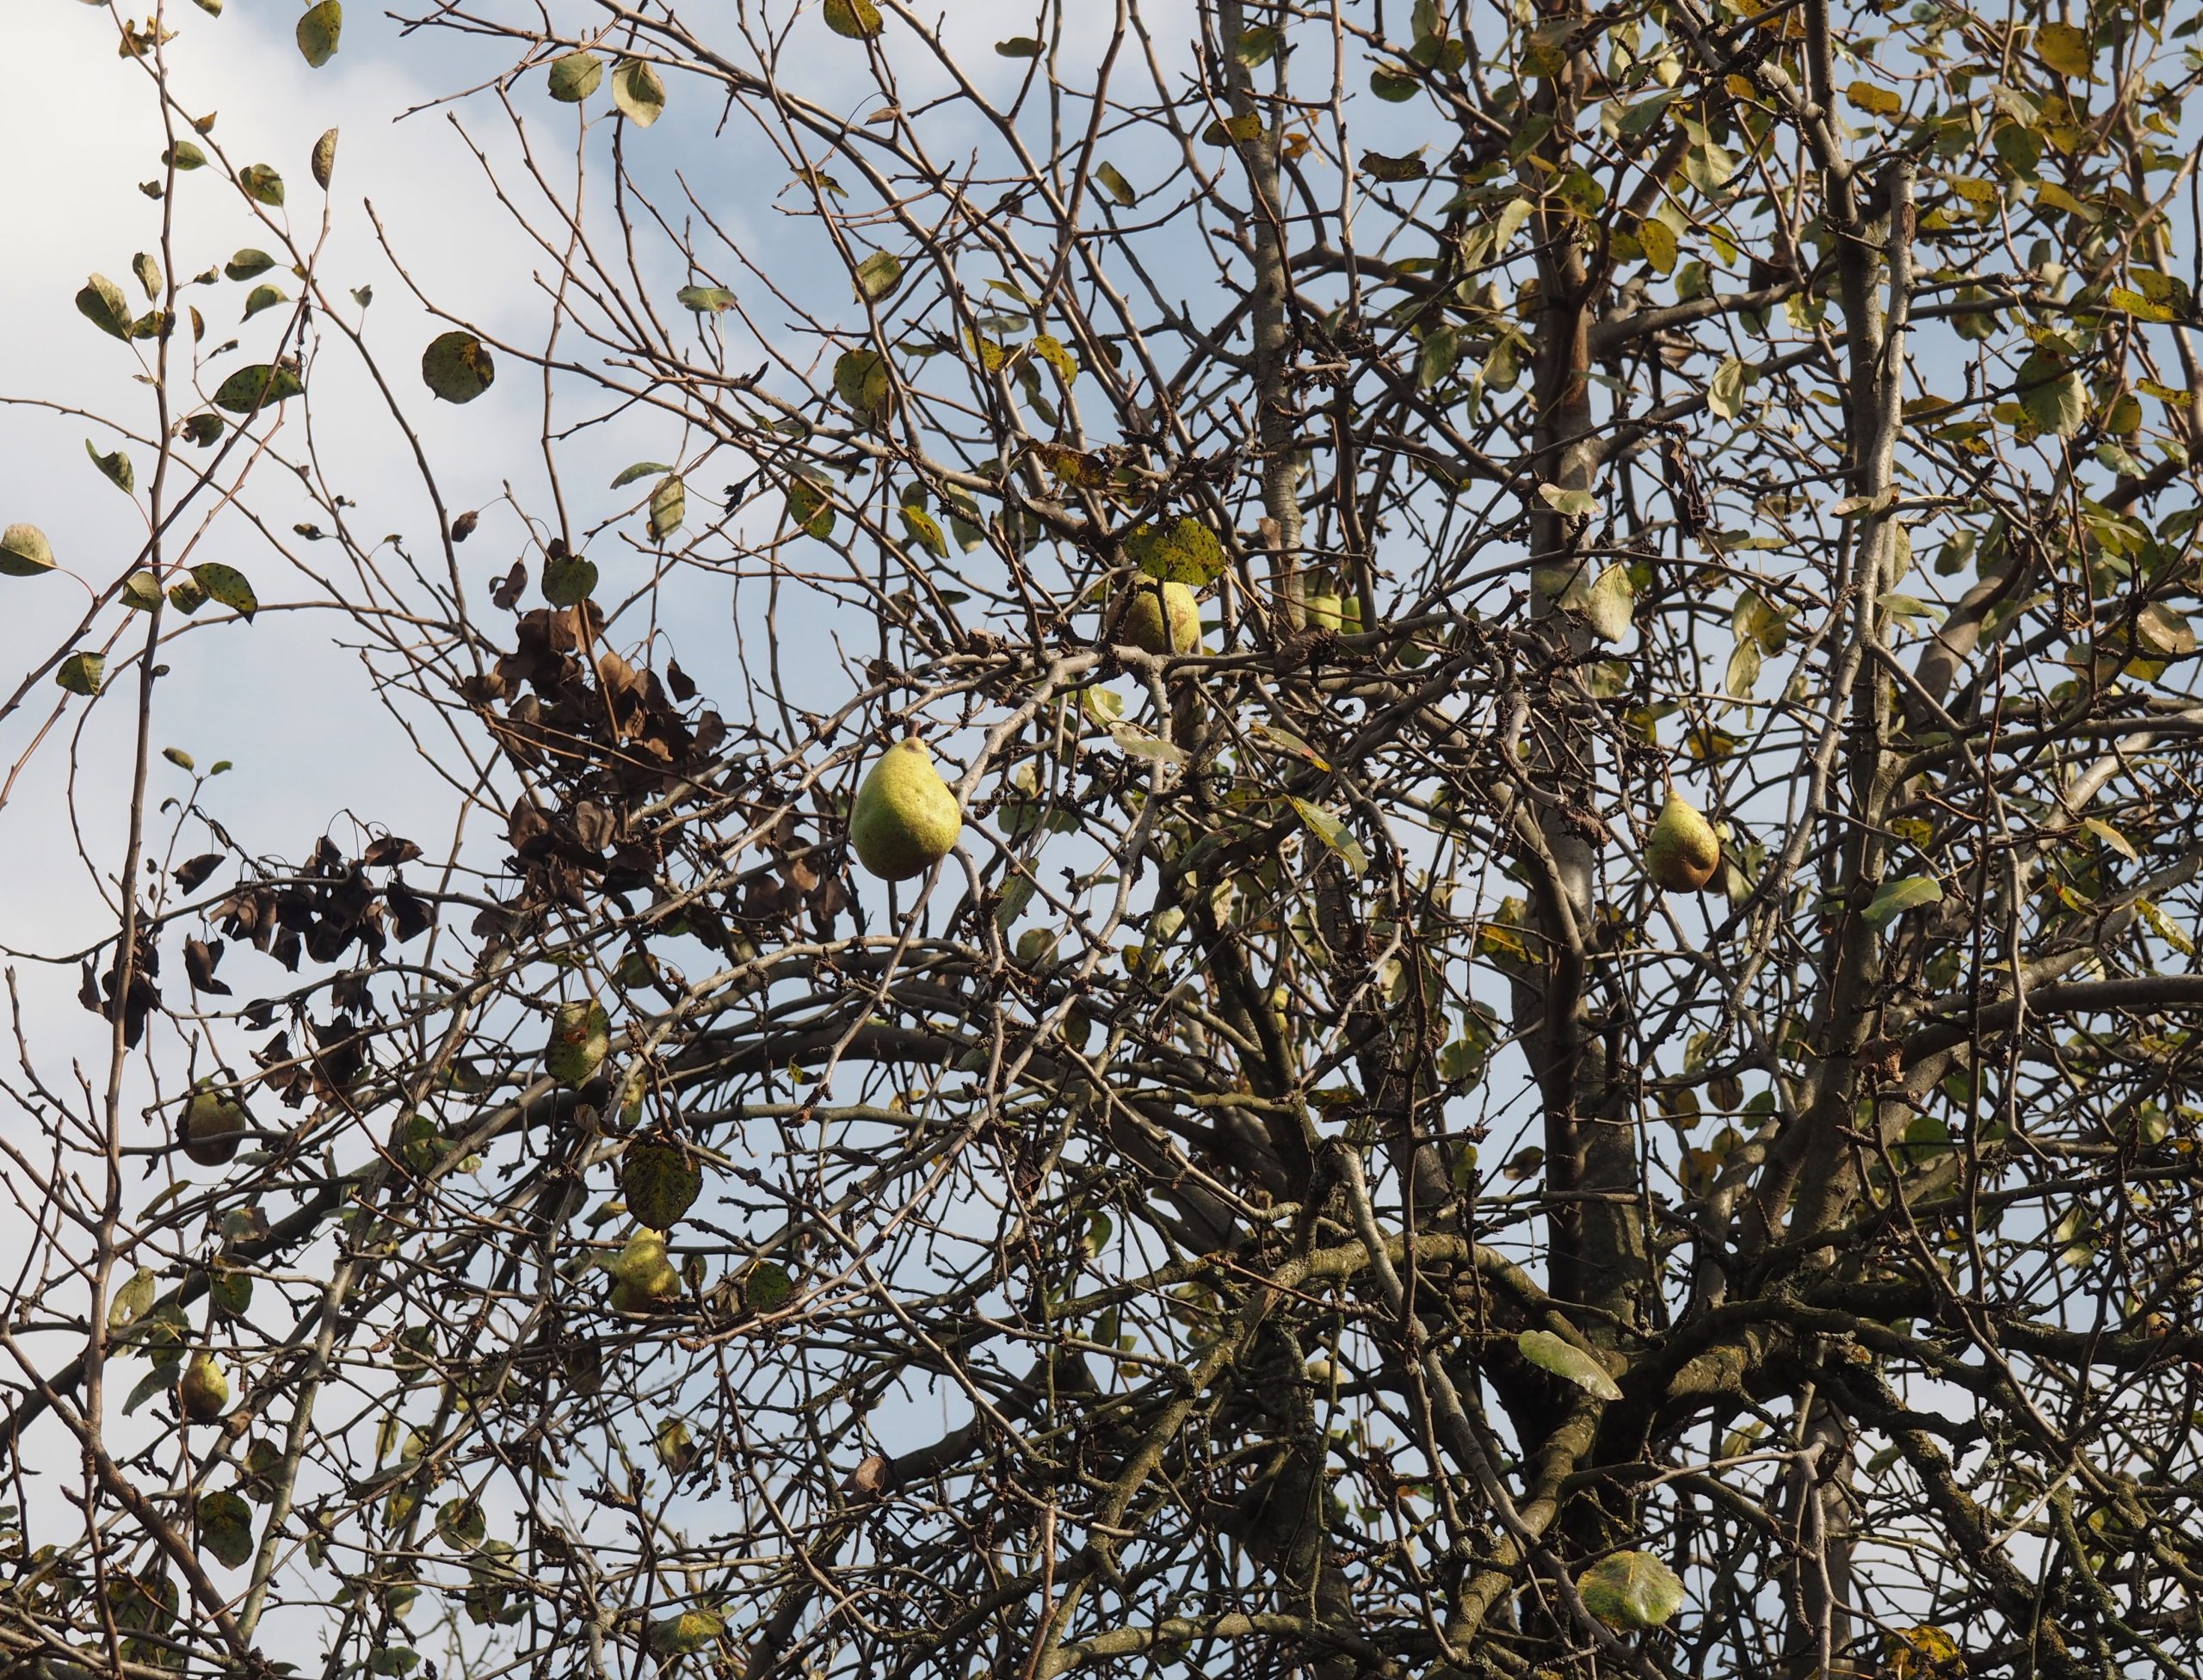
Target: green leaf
x=117 y=466
x=262 y=297
x=810 y=508
x=1183 y=552
x=318 y=33
x=247 y=264
x=229 y=1287
x=668 y=506
x=1137 y=743
x=184 y=156
x=1570 y=503
x=1631 y=1590
x=2165 y=632
x=2052 y=394
x=1725 y=395
x=1742 y=675
x=855 y=20
x=141 y=593
x=1435 y=363
x=860 y=379
x=148 y=272
x=260 y=386
x=1113 y=183
x=639 y=93
x=705 y=299
x=1018 y=47
x=24 y=552
x=457 y=367
x=323 y=163
x=1286 y=741
x=186 y=597
x=134 y=1299
x=82 y=673
x=1380 y=166
x=1898 y=896
x=659 y=1182
x=461 y=1525
x=227 y=585
x=641 y=469
x=1258 y=46
x=685 y=1633
x=1549 y=1352
x=262 y=184
x=877 y=275
x=766 y=1288
x=581 y=1037
x=1643 y=114
x=1335 y=835
x=226 y=1528
x=576 y=76
x=1610 y=607
x=102 y=303
x=569 y=581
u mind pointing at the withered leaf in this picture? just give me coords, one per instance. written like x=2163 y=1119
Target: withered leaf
x=192 y=874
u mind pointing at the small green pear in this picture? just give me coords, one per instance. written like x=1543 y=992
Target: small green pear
x=1160 y=617
x=203 y=1391
x=211 y=1124
x=905 y=819
x=643 y=1275
x=1682 y=852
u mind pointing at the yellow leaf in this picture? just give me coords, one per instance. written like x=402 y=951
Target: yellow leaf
x=2058 y=198
x=1879 y=101
x=1659 y=243
x=2065 y=50
x=2134 y=304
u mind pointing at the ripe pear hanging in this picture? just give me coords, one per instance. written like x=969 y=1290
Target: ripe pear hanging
x=211 y=1124
x=644 y=1277
x=1328 y=610
x=203 y=1391
x=905 y=819
x=1160 y=617
x=1682 y=852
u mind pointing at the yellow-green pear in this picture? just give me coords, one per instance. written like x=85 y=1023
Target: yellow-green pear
x=211 y=1124
x=203 y=1391
x=643 y=1275
x=905 y=819
x=1328 y=609
x=1682 y=852
x=1160 y=617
